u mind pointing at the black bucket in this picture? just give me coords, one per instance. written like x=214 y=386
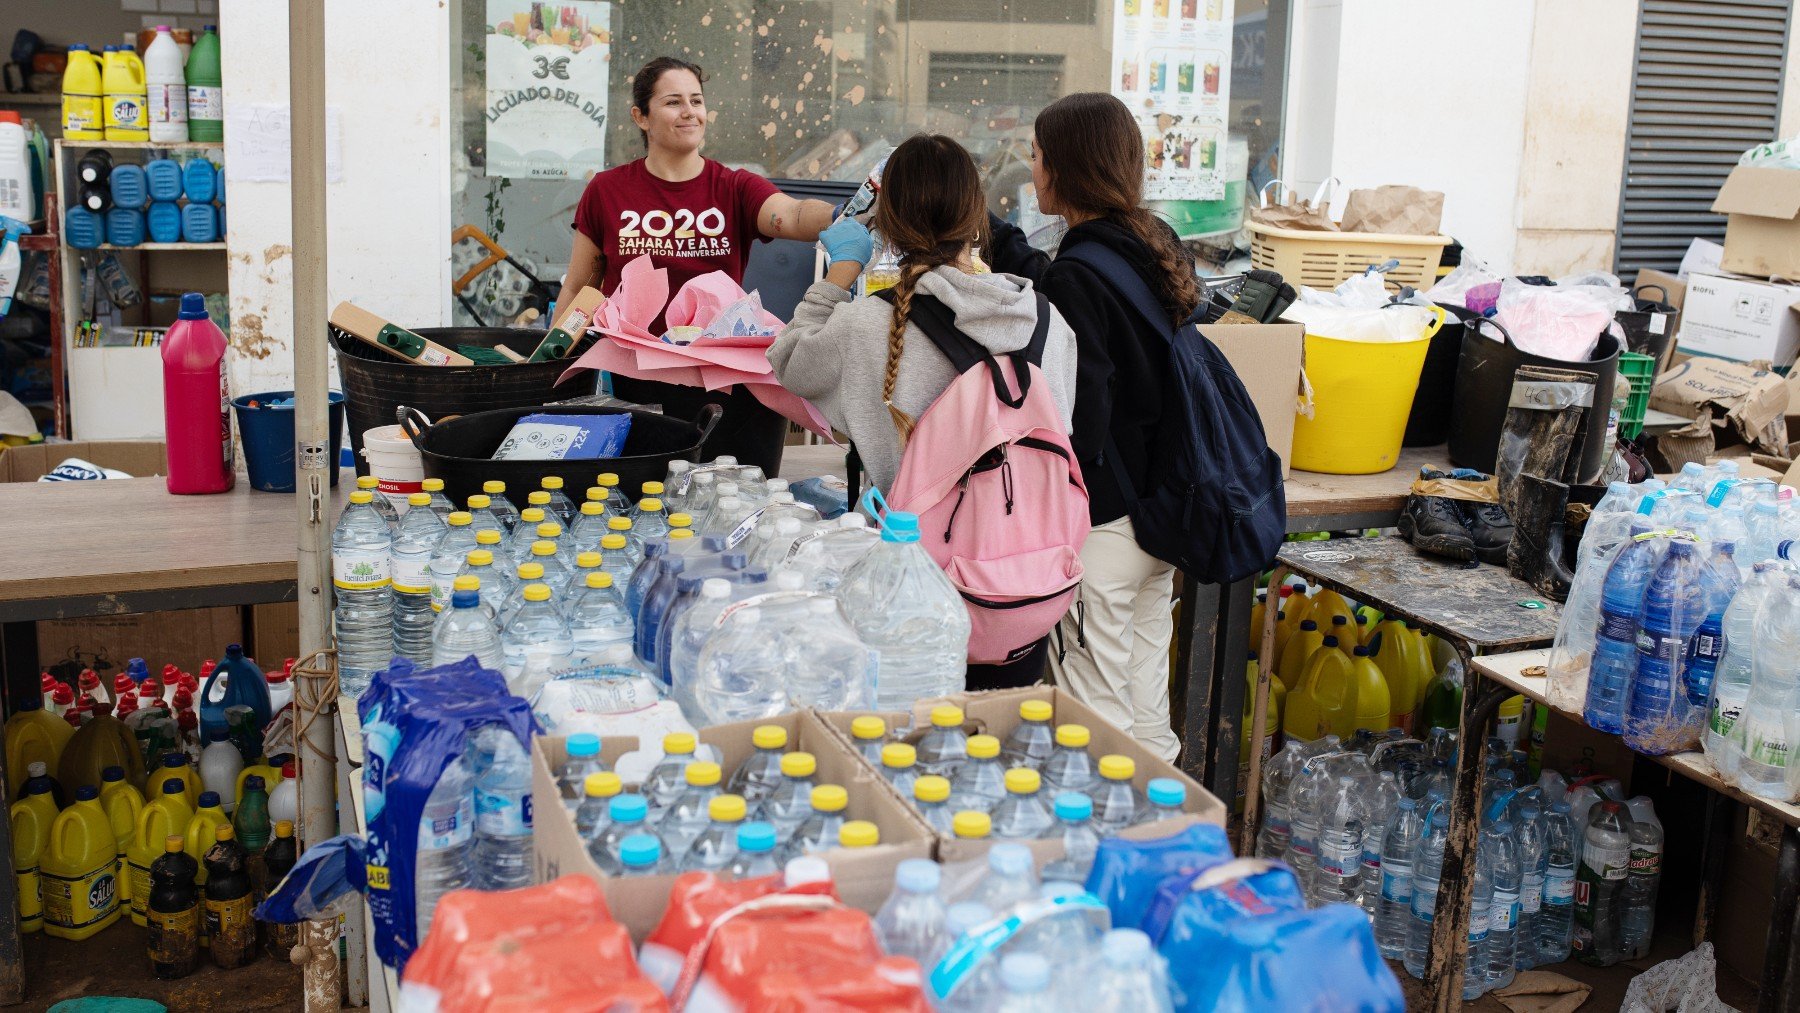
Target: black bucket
x=1649 y=325
x=1484 y=381
x=375 y=383
x=1428 y=424
x=461 y=450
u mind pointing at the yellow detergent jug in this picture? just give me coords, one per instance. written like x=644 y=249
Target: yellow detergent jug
x=165 y=815
x=1388 y=647
x=1327 y=604
x=175 y=766
x=1373 y=705
x=1424 y=668
x=32 y=818
x=127 y=96
x=1297 y=654
x=82 y=96
x=122 y=802
x=1301 y=605
x=1344 y=630
x=80 y=870
x=1318 y=705
x=271 y=777
x=103 y=742
x=1374 y=617
x=202 y=833
x=33 y=735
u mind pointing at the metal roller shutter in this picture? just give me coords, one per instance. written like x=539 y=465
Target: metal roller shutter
x=1706 y=85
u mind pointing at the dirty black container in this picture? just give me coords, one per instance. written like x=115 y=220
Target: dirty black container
x=1649 y=325
x=461 y=450
x=1428 y=424
x=375 y=383
x=1484 y=380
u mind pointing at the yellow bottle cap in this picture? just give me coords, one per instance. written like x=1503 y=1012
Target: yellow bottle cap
x=174 y=843
x=459 y=518
x=829 y=798
x=537 y=592
x=361 y=496
x=599 y=579
x=531 y=571
x=1022 y=781
x=650 y=505
x=224 y=833
x=367 y=482
x=480 y=501
x=1035 y=710
x=587 y=560
x=466 y=582
x=1114 y=767
x=769 y=737
x=549 y=529
x=553 y=482
x=898 y=754
x=493 y=488
x=983 y=747
x=726 y=808
x=1072 y=736
x=593 y=508
x=602 y=785
x=931 y=788
x=487 y=536
x=432 y=485
x=798 y=764
x=543 y=547
x=971 y=825
x=652 y=488
x=481 y=557
x=946 y=716
x=419 y=499
x=532 y=515
x=606 y=479
x=613 y=543
x=868 y=727
x=680 y=520
x=680 y=743
x=538 y=499
x=619 y=524
x=858 y=834
x=703 y=774
x=677 y=534
x=284 y=828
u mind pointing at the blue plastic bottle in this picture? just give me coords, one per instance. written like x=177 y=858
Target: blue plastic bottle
x=199 y=180
x=130 y=188
x=200 y=223
x=657 y=599
x=164 y=220
x=1658 y=718
x=1719 y=583
x=1615 y=659
x=245 y=685
x=164 y=178
x=83 y=229
x=124 y=227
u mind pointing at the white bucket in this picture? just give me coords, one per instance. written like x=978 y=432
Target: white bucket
x=394 y=462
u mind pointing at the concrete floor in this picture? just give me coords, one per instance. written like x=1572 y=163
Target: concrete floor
x=115 y=963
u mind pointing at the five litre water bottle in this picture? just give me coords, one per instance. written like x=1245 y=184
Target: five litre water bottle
x=414 y=542
x=451 y=552
x=502 y=810
x=361 y=580
x=446 y=840
x=1341 y=824
x=1533 y=862
x=1400 y=845
x=536 y=644
x=1763 y=731
x=1277 y=782
x=911 y=922
x=906 y=609
x=1503 y=913
x=598 y=619
x=1615 y=656
x=1427 y=869
x=466 y=629
x=1733 y=676
x=1129 y=977
x=1556 y=921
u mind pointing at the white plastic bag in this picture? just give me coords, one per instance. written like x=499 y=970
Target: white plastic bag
x=1364 y=291
x=1392 y=324
x=1683 y=985
x=1550 y=321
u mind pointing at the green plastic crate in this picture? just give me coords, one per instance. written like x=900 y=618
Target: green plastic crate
x=1641 y=371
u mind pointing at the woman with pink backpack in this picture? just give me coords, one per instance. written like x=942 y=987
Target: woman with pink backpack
x=979 y=370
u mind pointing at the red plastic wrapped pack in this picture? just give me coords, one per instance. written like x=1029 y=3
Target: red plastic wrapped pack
x=696 y=901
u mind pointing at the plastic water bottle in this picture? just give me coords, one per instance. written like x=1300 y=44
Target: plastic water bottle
x=1615 y=659
x=904 y=608
x=523 y=533
x=535 y=645
x=827 y=553
x=629 y=816
x=1600 y=885
x=648 y=519
x=1068 y=938
x=756 y=852
x=1164 y=798
x=739 y=675
x=1499 y=840
x=418 y=536
x=911 y=922
x=556 y=572
x=482 y=516
x=691 y=631
x=1427 y=870
x=1400 y=845
x=382 y=504
x=1733 y=676
x=644 y=574
x=943 y=749
x=1010 y=878
x=715 y=847
x=899 y=764
x=668 y=779
x=829 y=667
x=622 y=543
x=594 y=814
x=1032 y=740
x=1534 y=857
x=689 y=814
x=1022 y=814
x=589 y=525
x=1658 y=718
x=584 y=759
x=1129 y=977
x=1341 y=821
x=1025 y=985
x=598 y=620
x=818 y=832
x=981 y=782
x=451 y=552
x=466 y=629
x=975 y=994
x=1080 y=838
x=1719 y=584
x=496 y=584
x=560 y=506
x=1762 y=532
x=503 y=508
x=1480 y=927
x=502 y=810
x=1069 y=767
x=791 y=800
x=1277 y=782
x=657 y=599
x=868 y=734
x=642 y=855
x=1381 y=813
x=446 y=841
x=931 y=797
x=1643 y=875
x=361 y=580
x=760 y=772
x=1556 y=921
x=1763 y=730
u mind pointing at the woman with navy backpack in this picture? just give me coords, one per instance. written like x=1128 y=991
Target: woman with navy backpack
x=1112 y=649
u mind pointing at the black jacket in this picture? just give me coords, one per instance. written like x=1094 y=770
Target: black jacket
x=1119 y=366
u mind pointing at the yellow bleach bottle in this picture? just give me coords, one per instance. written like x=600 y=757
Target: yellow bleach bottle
x=1271 y=720
x=82 y=95
x=1372 y=708
x=202 y=833
x=122 y=802
x=127 y=96
x=1388 y=648
x=80 y=871
x=33 y=735
x=168 y=814
x=175 y=767
x=1319 y=706
x=1296 y=656
x=32 y=818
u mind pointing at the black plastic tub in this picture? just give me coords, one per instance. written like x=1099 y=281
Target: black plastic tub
x=1484 y=381
x=375 y=383
x=1428 y=424
x=461 y=450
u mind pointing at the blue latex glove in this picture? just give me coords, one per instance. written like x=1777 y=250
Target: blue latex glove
x=848 y=240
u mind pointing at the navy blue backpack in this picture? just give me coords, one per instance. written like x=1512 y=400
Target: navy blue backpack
x=1218 y=508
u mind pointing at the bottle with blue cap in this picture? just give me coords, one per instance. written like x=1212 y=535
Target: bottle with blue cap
x=629 y=815
x=907 y=611
x=641 y=855
x=1129 y=977
x=583 y=759
x=466 y=629
x=1025 y=985
x=1080 y=838
x=1011 y=877
x=911 y=922
x=1166 y=796
x=755 y=851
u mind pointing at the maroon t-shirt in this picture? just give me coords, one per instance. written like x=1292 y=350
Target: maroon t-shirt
x=693 y=228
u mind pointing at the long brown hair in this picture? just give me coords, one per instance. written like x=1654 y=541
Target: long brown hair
x=931 y=209
x=1093 y=152
x=643 y=84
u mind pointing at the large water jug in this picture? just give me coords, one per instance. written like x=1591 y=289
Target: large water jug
x=83 y=229
x=908 y=612
x=164 y=178
x=124 y=227
x=130 y=187
x=200 y=181
x=238 y=681
x=199 y=224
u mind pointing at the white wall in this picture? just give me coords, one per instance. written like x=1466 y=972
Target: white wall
x=388 y=218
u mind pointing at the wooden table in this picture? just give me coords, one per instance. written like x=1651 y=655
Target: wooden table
x=1523 y=672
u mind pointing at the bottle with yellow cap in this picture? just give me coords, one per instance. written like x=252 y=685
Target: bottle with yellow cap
x=819 y=831
x=971 y=826
x=447 y=559
x=870 y=735
x=584 y=564
x=560 y=505
x=504 y=509
x=554 y=533
x=1298 y=654
x=523 y=575
x=544 y=553
x=668 y=778
x=1022 y=814
x=715 y=846
x=440 y=503
x=481 y=514
x=858 y=834
x=900 y=765
x=419 y=533
x=681 y=521
x=649 y=519
x=931 y=796
x=495 y=583
x=609 y=481
x=683 y=820
x=378 y=500
x=757 y=777
x=944 y=747
x=598 y=619
x=616 y=558
x=1032 y=740
x=467 y=629
x=535 y=644
x=79 y=871
x=32 y=817
x=589 y=525
x=980 y=783
x=361 y=581
x=166 y=815
x=1322 y=704
x=791 y=800
x=1070 y=767
x=634 y=545
x=593 y=815
x=524 y=532
x=1117 y=802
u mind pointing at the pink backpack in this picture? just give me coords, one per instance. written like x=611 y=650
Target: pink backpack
x=1001 y=503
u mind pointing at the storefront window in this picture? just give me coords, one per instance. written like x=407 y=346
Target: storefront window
x=820 y=89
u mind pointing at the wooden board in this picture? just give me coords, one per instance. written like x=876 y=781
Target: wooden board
x=1480 y=606
x=1310 y=493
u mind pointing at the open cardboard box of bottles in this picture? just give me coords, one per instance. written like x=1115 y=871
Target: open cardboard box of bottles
x=996 y=713
x=863 y=876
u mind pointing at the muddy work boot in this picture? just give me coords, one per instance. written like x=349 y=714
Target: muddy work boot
x=1434 y=524
x=1490 y=528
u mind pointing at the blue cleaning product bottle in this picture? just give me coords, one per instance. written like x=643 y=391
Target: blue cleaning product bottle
x=244 y=684
x=164 y=221
x=1615 y=658
x=1658 y=718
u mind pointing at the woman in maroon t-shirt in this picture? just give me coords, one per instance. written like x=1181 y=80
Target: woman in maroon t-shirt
x=692 y=216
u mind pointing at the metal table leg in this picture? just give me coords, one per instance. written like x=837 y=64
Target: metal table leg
x=1192 y=699
x=1778 y=992
x=1715 y=841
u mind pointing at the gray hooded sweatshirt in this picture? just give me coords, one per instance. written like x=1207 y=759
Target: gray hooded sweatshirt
x=834 y=354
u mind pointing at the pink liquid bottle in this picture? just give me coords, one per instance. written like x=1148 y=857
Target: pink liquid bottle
x=196 y=402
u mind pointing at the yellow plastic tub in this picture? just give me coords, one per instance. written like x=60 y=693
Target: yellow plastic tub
x=1362 y=392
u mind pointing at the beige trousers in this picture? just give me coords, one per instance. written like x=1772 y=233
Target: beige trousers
x=1123 y=671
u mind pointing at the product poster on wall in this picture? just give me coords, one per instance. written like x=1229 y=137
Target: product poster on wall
x=546 y=87
x=1172 y=67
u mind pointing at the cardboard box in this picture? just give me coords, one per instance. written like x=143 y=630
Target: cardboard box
x=274 y=633
x=1267 y=358
x=996 y=713
x=138 y=458
x=1762 y=230
x=1725 y=399
x=1570 y=745
x=1742 y=319
x=863 y=877
x=105 y=643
